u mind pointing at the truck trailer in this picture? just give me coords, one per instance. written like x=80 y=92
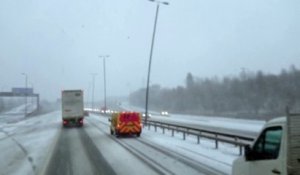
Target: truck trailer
x=72 y=107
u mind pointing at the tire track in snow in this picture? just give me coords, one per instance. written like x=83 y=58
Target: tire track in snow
x=99 y=164
x=184 y=159
x=155 y=165
x=151 y=163
x=22 y=148
x=76 y=153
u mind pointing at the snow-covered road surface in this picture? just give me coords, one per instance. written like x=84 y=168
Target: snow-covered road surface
x=75 y=154
x=146 y=156
x=25 y=143
x=40 y=145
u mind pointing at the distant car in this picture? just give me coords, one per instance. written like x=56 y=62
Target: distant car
x=144 y=115
x=164 y=113
x=103 y=110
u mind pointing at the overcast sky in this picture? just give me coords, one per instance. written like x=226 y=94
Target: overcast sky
x=57 y=43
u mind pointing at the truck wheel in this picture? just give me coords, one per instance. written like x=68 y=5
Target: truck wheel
x=138 y=134
x=111 y=132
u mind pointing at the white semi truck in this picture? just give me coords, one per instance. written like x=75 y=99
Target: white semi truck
x=275 y=151
x=72 y=107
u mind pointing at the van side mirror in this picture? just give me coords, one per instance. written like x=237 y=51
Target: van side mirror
x=248 y=153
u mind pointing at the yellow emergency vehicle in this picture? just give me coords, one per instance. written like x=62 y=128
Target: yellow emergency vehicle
x=126 y=123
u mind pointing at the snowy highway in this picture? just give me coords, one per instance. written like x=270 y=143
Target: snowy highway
x=75 y=153
x=92 y=150
x=146 y=156
x=40 y=145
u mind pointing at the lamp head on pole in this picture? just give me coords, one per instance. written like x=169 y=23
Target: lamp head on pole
x=160 y=2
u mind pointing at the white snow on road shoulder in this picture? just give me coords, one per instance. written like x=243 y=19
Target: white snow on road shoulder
x=27 y=143
x=205 y=153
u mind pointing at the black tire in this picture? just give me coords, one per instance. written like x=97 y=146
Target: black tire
x=138 y=134
x=111 y=132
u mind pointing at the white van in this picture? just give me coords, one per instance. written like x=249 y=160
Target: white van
x=275 y=151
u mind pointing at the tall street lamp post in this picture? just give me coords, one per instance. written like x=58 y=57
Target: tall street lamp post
x=31 y=95
x=93 y=75
x=26 y=91
x=104 y=79
x=151 y=53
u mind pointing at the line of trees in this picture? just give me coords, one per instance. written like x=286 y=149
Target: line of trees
x=247 y=95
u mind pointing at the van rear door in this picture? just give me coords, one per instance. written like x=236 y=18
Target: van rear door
x=130 y=123
x=293 y=154
x=128 y=119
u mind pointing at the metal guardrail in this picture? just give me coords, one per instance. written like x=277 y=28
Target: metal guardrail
x=236 y=140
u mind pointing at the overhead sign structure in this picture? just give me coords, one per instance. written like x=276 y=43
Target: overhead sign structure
x=16 y=92
x=26 y=91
